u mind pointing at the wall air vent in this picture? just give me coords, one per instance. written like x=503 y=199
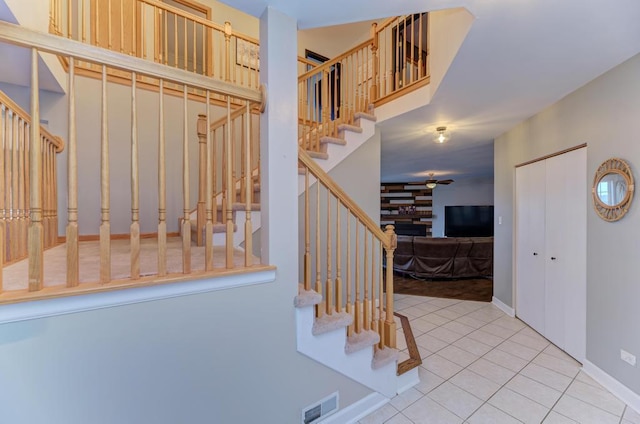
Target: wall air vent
x=327 y=406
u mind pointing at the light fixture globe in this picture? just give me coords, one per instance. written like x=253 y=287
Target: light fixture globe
x=442 y=136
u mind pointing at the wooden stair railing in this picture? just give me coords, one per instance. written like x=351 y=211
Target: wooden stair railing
x=350 y=237
x=15 y=175
x=42 y=172
x=243 y=170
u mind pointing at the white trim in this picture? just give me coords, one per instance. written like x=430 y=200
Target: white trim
x=503 y=307
x=623 y=393
x=357 y=410
x=88 y=302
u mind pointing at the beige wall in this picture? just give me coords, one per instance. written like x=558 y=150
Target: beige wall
x=604 y=115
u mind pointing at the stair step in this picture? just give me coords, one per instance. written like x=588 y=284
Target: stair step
x=332 y=140
x=318 y=155
x=367 y=116
x=306 y=297
x=384 y=357
x=327 y=323
x=352 y=128
x=362 y=340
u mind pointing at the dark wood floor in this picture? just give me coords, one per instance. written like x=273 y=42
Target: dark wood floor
x=480 y=289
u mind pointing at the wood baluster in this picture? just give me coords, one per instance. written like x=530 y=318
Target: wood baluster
x=307 y=232
x=358 y=301
x=69 y=20
x=73 y=269
x=208 y=240
x=95 y=22
x=329 y=284
x=195 y=48
x=366 y=316
x=45 y=195
x=421 y=73
x=84 y=21
x=186 y=218
x=135 y=187
x=27 y=176
x=248 y=186
x=109 y=27
x=105 y=226
x=374 y=323
x=243 y=160
x=227 y=51
x=319 y=308
x=338 y=290
x=412 y=45
x=121 y=23
x=165 y=52
x=162 y=187
x=4 y=113
x=136 y=19
x=186 y=45
x=14 y=228
x=396 y=47
x=350 y=309
x=215 y=175
x=36 y=236
x=176 y=50
x=373 y=96
x=54 y=196
x=7 y=181
x=230 y=190
x=201 y=217
x=390 y=324
x=380 y=297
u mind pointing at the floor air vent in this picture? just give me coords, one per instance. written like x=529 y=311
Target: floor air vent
x=327 y=406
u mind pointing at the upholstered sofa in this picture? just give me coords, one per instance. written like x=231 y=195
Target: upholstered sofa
x=455 y=257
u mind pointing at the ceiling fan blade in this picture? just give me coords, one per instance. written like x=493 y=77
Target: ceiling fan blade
x=445 y=182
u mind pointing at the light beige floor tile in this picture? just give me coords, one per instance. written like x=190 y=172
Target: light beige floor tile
x=415 y=300
x=428 y=411
x=403 y=355
x=428 y=381
x=458 y=328
x=496 y=330
x=583 y=377
x=428 y=307
x=436 y=319
x=471 y=322
x=487 y=314
x=448 y=313
x=379 y=416
x=422 y=325
x=444 y=302
x=570 y=369
x=505 y=359
x=401 y=341
x=491 y=371
x=430 y=343
x=486 y=338
x=631 y=416
x=535 y=391
x=555 y=418
x=472 y=346
x=456 y=400
x=399 y=419
x=583 y=412
x=458 y=356
x=511 y=323
x=537 y=343
x=414 y=311
x=475 y=384
x=403 y=400
x=596 y=397
x=519 y=406
x=445 y=335
x=546 y=376
x=488 y=414
x=518 y=350
x=555 y=351
x=441 y=366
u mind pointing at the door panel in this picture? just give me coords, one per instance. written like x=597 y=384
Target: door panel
x=530 y=252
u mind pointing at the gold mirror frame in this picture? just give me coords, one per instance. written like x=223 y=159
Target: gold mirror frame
x=611 y=213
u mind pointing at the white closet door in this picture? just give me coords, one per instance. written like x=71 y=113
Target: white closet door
x=565 y=298
x=530 y=245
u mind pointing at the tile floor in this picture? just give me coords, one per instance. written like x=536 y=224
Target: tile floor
x=482 y=366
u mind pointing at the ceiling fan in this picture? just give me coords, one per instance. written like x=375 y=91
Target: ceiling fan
x=432 y=182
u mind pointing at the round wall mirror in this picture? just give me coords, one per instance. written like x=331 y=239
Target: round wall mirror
x=612 y=189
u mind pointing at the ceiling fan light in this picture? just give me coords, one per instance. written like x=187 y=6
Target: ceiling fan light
x=431 y=185
x=442 y=136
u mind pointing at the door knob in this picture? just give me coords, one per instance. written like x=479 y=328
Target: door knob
x=535 y=254
x=553 y=258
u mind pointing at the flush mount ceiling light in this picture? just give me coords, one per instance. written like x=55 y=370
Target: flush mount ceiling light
x=442 y=136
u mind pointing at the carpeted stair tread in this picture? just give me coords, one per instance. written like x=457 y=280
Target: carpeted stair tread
x=241 y=207
x=367 y=116
x=327 y=323
x=306 y=297
x=362 y=340
x=317 y=155
x=384 y=357
x=333 y=140
x=347 y=127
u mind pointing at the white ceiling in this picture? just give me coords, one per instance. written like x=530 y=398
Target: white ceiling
x=519 y=57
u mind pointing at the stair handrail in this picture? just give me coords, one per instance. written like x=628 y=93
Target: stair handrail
x=367 y=315
x=15 y=208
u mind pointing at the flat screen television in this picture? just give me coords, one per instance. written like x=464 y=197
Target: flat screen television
x=468 y=221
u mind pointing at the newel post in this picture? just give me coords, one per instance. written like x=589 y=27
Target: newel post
x=373 y=95
x=202 y=177
x=390 y=323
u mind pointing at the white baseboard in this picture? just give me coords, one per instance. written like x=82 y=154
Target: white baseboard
x=503 y=307
x=625 y=394
x=360 y=409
